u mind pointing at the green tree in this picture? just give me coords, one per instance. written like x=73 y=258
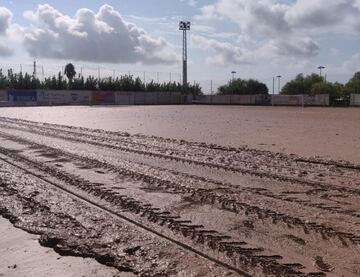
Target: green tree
x=301 y=84
x=243 y=87
x=333 y=89
x=353 y=85
x=123 y=83
x=70 y=71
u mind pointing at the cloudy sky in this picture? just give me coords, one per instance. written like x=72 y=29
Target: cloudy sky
x=255 y=38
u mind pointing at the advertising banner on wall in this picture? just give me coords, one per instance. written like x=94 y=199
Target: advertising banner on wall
x=103 y=97
x=79 y=97
x=59 y=97
x=43 y=96
x=22 y=95
x=3 y=96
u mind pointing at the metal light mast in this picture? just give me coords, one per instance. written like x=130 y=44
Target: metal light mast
x=321 y=69
x=184 y=26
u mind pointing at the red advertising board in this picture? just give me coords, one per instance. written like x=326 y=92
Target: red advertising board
x=103 y=97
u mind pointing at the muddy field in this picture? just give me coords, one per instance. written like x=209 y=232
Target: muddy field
x=155 y=206
x=332 y=133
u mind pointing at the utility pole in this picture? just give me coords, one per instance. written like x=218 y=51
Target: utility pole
x=279 y=79
x=273 y=92
x=233 y=75
x=34 y=73
x=321 y=68
x=184 y=26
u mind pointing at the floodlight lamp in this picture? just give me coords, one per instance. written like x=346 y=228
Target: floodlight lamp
x=184 y=26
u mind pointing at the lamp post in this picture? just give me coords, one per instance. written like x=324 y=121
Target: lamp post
x=279 y=80
x=233 y=75
x=321 y=68
x=184 y=26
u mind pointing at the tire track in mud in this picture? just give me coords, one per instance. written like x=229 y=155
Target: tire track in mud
x=219 y=196
x=211 y=238
x=144 y=142
x=206 y=196
x=262 y=173
x=291 y=199
x=121 y=136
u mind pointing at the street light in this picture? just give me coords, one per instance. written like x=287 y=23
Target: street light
x=279 y=78
x=321 y=68
x=184 y=26
x=233 y=75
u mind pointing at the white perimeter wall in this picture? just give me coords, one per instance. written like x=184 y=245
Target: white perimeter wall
x=3 y=96
x=300 y=100
x=355 y=100
x=231 y=99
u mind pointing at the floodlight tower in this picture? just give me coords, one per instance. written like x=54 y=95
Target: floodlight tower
x=184 y=26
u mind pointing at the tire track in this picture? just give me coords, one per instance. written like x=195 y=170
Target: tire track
x=228 y=168
x=214 y=240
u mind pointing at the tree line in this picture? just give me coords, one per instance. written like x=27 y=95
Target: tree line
x=243 y=87
x=72 y=81
x=315 y=84
x=311 y=84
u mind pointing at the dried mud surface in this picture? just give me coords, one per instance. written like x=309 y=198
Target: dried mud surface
x=164 y=207
x=312 y=131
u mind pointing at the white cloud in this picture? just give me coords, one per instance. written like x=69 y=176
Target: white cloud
x=271 y=18
x=5 y=18
x=323 y=14
x=96 y=37
x=5 y=51
x=5 y=23
x=353 y=64
x=285 y=30
x=225 y=53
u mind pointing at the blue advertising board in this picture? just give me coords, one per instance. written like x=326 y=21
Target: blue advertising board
x=22 y=95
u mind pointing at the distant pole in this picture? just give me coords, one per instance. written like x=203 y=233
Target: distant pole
x=321 y=68
x=144 y=77
x=184 y=26
x=20 y=68
x=157 y=77
x=99 y=72
x=34 y=73
x=279 y=79
x=42 y=71
x=273 y=92
x=114 y=74
x=211 y=87
x=170 y=77
x=233 y=75
x=81 y=73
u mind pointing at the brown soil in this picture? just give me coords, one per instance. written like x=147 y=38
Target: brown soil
x=326 y=132
x=21 y=255
x=164 y=207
